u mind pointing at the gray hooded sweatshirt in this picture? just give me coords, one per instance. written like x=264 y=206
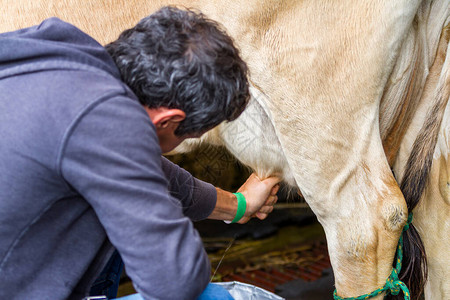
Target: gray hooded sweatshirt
x=81 y=174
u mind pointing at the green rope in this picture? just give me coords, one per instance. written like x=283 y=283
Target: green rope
x=393 y=284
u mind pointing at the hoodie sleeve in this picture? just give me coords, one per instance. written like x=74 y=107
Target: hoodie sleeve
x=198 y=198
x=112 y=158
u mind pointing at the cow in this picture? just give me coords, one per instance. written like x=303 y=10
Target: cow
x=348 y=99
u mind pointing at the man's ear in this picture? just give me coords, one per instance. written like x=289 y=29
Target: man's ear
x=165 y=117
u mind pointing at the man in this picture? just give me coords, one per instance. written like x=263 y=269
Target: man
x=82 y=133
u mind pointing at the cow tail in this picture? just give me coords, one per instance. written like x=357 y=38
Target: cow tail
x=414 y=270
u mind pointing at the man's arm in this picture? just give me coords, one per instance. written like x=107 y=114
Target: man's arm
x=197 y=198
x=260 y=196
x=200 y=200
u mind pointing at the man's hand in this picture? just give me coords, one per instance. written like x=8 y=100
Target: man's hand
x=261 y=195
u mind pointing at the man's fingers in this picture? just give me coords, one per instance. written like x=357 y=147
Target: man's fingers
x=266 y=209
x=275 y=189
x=271 y=200
x=261 y=216
x=271 y=181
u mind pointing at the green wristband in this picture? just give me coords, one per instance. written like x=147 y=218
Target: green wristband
x=242 y=205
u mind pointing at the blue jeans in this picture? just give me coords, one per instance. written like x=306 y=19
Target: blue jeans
x=108 y=283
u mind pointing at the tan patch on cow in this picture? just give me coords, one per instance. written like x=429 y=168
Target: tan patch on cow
x=444 y=180
x=265 y=14
x=394 y=217
x=393 y=209
x=360 y=245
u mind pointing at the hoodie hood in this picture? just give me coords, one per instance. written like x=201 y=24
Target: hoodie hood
x=51 y=45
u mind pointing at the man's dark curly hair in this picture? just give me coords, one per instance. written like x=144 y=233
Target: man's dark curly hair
x=180 y=59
